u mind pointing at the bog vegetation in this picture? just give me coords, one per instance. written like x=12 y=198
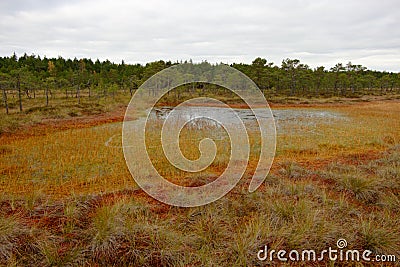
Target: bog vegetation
x=67 y=198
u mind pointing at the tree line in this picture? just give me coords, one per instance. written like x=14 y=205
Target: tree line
x=295 y=78
x=31 y=76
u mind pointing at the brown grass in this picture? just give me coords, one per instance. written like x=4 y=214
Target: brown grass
x=66 y=198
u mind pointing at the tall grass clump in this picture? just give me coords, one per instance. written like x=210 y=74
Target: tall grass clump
x=10 y=233
x=106 y=231
x=364 y=189
x=380 y=234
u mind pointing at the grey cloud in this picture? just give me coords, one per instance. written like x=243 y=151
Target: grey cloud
x=316 y=32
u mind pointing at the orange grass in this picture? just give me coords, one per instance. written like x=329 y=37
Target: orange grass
x=77 y=161
x=68 y=198
x=367 y=129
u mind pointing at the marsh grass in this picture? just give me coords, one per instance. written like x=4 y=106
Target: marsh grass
x=293 y=171
x=379 y=233
x=107 y=230
x=35 y=111
x=391 y=201
x=68 y=199
x=10 y=231
x=364 y=189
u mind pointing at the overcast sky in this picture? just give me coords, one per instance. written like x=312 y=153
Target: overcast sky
x=318 y=32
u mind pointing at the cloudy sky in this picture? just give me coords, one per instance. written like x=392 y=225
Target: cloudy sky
x=318 y=32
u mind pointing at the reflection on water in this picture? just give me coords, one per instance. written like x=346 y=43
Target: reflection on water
x=292 y=122
x=285 y=119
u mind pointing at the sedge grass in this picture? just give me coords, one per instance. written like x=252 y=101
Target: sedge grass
x=341 y=184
